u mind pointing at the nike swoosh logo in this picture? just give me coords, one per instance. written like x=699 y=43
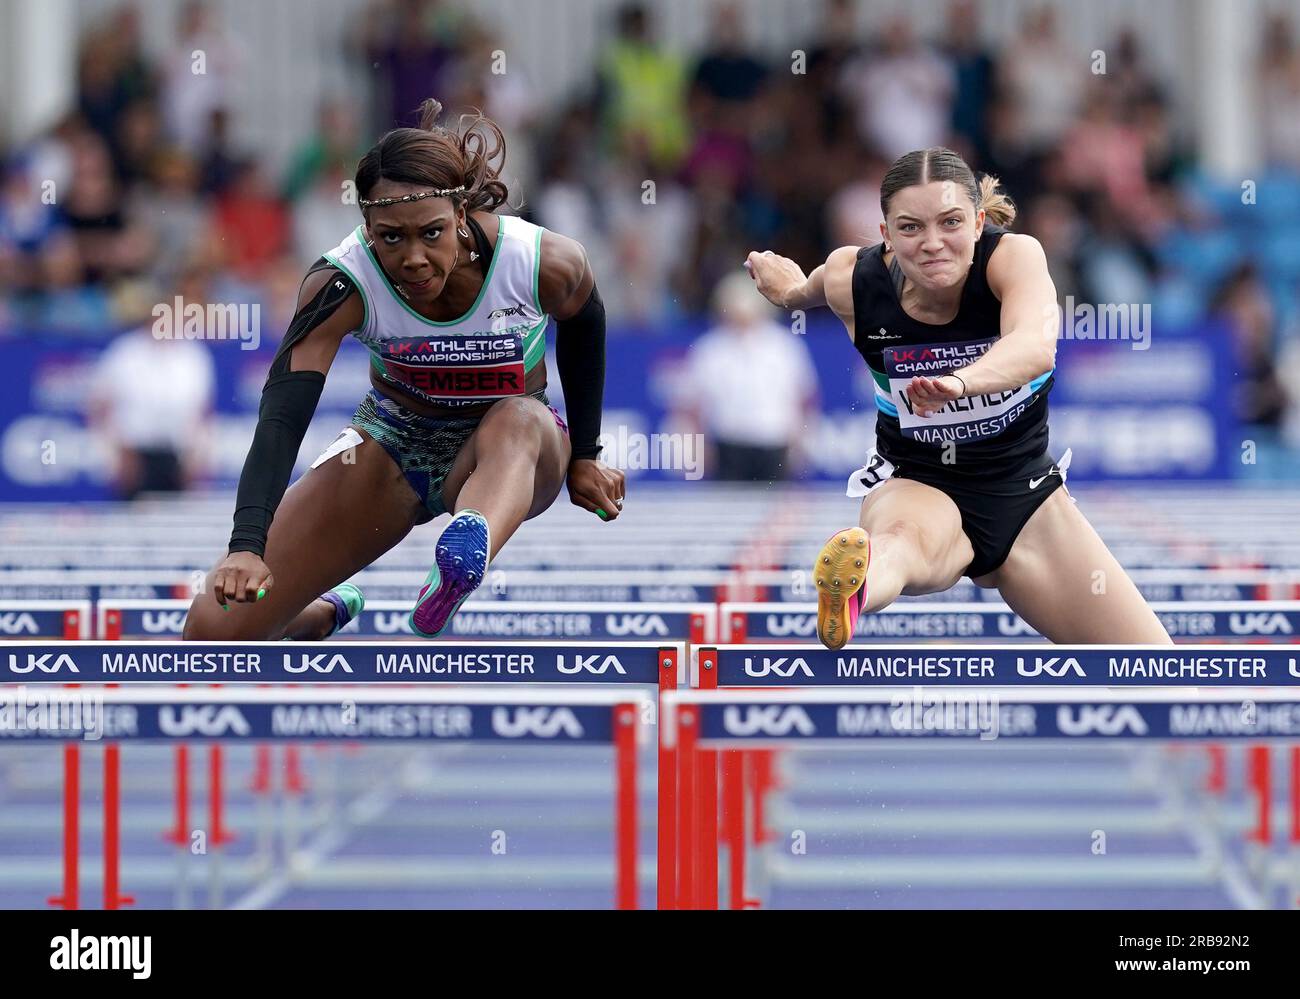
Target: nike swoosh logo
x=1035 y=483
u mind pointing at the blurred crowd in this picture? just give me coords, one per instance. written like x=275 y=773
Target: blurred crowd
x=669 y=167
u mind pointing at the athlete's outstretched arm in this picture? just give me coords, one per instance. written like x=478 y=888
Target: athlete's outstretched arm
x=566 y=289
x=329 y=308
x=1031 y=319
x=782 y=281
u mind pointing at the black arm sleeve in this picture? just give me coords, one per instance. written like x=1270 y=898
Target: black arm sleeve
x=289 y=399
x=580 y=356
x=333 y=293
x=288 y=402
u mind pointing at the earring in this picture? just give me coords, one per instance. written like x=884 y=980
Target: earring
x=464 y=234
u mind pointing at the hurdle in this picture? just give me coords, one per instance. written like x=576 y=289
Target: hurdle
x=19 y=619
x=1232 y=620
x=613 y=717
x=1262 y=621
x=1007 y=669
x=694 y=623
x=577 y=665
x=699 y=722
x=71 y=620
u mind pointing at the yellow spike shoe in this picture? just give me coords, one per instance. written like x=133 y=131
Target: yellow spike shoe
x=840 y=576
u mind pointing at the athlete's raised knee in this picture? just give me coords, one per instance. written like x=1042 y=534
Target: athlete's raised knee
x=907 y=534
x=518 y=421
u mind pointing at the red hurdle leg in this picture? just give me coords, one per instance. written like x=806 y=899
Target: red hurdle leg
x=706 y=794
x=113 y=898
x=733 y=814
x=1259 y=779
x=666 y=832
x=1295 y=794
x=1216 y=780
x=687 y=835
x=294 y=781
x=625 y=824
x=219 y=834
x=764 y=780
x=261 y=782
x=180 y=833
x=71 y=828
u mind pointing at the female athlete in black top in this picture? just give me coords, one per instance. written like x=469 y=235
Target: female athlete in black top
x=957 y=320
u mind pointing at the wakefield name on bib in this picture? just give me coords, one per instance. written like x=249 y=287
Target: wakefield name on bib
x=971 y=418
x=458 y=366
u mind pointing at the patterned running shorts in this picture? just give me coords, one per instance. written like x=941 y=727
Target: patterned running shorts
x=423 y=447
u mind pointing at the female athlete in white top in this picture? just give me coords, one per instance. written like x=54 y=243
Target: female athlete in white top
x=453 y=301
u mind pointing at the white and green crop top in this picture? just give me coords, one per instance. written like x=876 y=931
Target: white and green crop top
x=486 y=354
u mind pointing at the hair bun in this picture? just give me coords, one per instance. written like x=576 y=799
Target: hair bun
x=469 y=154
x=430 y=112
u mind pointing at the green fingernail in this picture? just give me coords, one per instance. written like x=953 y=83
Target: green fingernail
x=601 y=514
x=261 y=592
x=225 y=606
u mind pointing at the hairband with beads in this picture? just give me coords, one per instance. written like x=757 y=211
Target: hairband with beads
x=436 y=193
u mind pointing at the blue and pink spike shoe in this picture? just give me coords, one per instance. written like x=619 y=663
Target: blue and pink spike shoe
x=841 y=578
x=460 y=562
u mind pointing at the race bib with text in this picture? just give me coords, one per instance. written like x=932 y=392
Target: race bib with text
x=969 y=419
x=457 y=369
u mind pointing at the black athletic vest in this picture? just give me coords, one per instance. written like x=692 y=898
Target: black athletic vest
x=993 y=435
